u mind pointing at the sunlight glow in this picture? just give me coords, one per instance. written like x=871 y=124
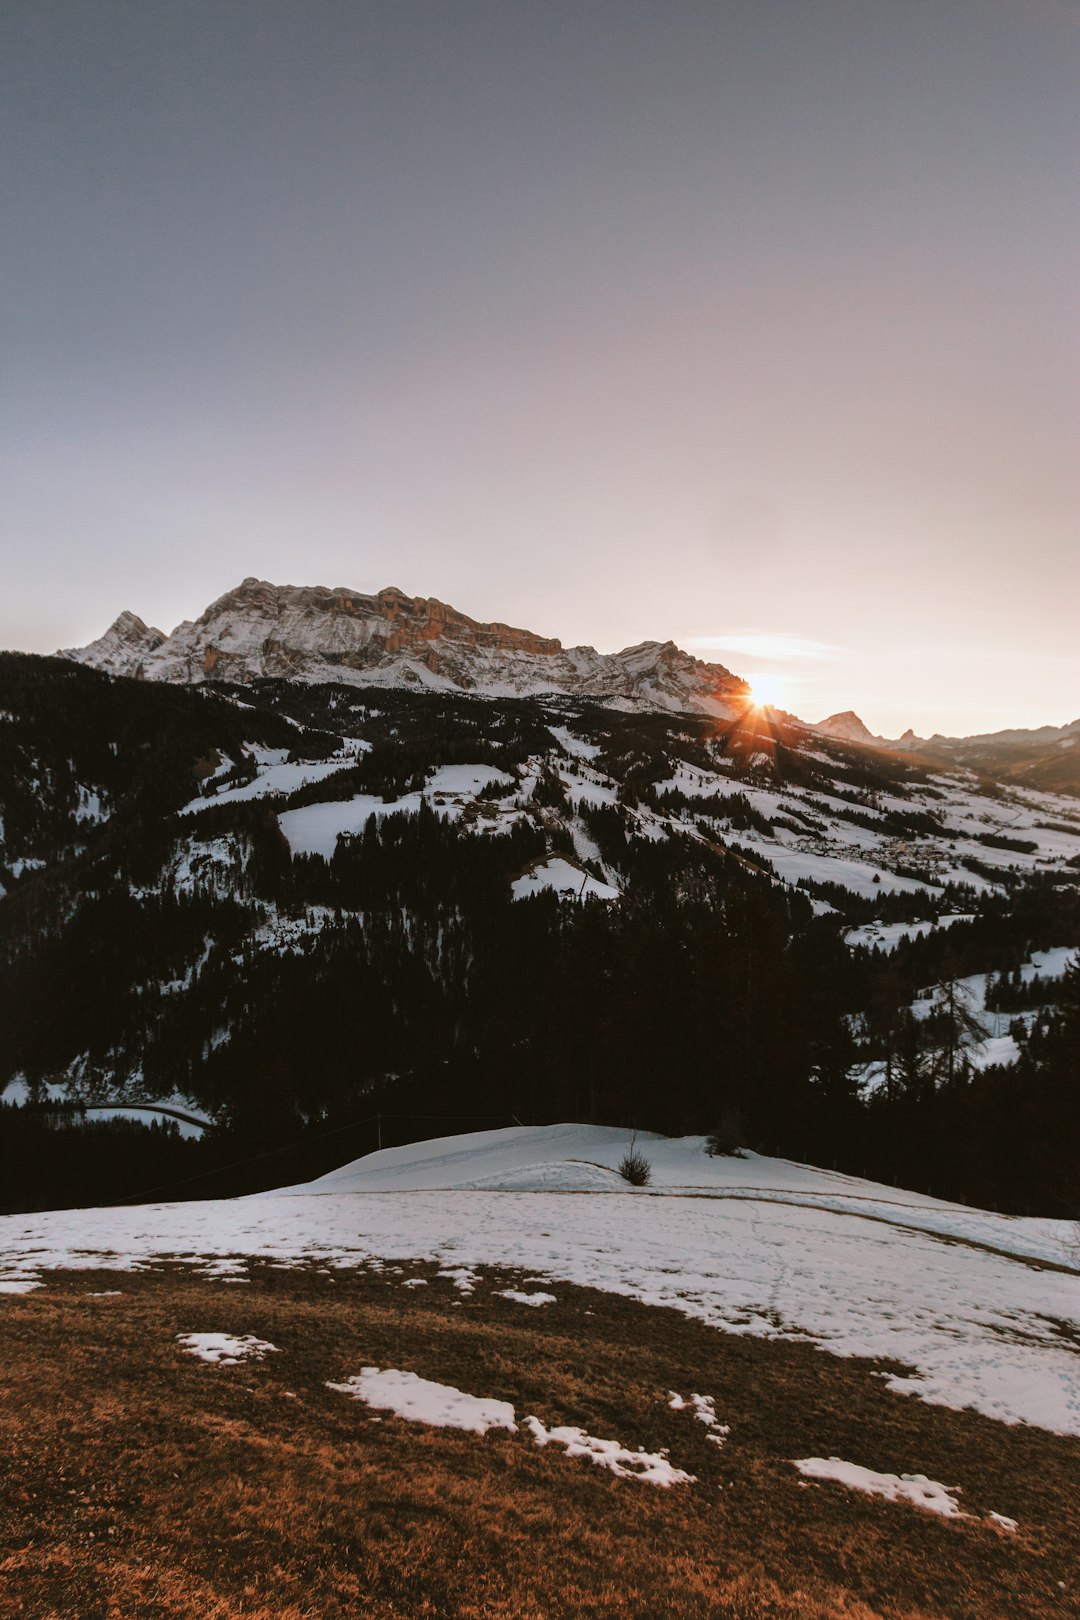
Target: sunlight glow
x=767 y=691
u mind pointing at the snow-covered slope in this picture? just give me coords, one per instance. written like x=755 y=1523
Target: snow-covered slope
x=948 y=1296
x=565 y=1154
x=313 y=633
x=586 y=1159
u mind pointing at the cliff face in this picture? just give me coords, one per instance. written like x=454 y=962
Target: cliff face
x=313 y=633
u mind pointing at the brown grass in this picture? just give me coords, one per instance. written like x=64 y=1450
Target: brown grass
x=138 y=1481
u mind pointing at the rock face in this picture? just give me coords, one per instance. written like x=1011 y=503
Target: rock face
x=311 y=633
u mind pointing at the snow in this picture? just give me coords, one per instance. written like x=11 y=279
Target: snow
x=564 y=878
x=526 y=1299
x=575 y=746
x=146 y=1115
x=755 y=1246
x=225 y=1349
x=314 y=829
x=998 y=1046
x=650 y=1466
x=858 y=876
x=704 y=1409
x=996 y=1051
x=207 y=866
x=887 y=936
x=27 y=863
x=17 y=1091
x=463 y=1278
x=420 y=1400
x=178 y=1103
x=914 y=1488
x=89 y=807
x=581 y=789
x=1049 y=964
x=276 y=776
x=442 y=1406
x=843 y=852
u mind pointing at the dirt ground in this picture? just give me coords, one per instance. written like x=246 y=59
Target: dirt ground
x=138 y=1481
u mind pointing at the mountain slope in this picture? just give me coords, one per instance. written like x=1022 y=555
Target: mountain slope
x=299 y=901
x=1046 y=757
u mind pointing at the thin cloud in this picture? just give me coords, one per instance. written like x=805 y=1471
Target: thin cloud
x=770 y=644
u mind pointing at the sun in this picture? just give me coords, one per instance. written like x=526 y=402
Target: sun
x=766 y=692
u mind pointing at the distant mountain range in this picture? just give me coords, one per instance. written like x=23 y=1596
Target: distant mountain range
x=1047 y=757
x=316 y=634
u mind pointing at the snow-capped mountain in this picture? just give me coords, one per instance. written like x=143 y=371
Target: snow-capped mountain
x=312 y=633
x=847 y=727
x=124 y=649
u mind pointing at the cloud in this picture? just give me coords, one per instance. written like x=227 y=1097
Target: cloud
x=770 y=644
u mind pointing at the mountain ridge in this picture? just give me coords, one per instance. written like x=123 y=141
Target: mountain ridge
x=1046 y=757
x=318 y=634
x=260 y=630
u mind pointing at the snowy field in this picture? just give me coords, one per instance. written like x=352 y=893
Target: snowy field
x=275 y=775
x=564 y=878
x=970 y=1308
x=450 y=789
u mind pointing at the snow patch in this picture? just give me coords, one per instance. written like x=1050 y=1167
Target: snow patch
x=704 y=1409
x=650 y=1466
x=914 y=1488
x=225 y=1349
x=421 y=1400
x=563 y=878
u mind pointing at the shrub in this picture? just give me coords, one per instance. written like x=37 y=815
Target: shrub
x=635 y=1168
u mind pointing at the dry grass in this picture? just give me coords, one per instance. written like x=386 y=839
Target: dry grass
x=138 y=1481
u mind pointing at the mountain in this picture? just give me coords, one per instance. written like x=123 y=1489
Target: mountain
x=1045 y=757
x=847 y=727
x=311 y=633
x=292 y=904
x=125 y=648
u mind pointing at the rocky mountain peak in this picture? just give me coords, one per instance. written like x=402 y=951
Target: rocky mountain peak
x=316 y=633
x=847 y=727
x=124 y=648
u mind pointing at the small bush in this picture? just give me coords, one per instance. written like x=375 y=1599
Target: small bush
x=635 y=1168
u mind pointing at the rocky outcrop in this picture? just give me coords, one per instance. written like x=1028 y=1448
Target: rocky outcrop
x=312 y=633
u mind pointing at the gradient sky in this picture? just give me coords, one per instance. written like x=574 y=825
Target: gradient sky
x=750 y=324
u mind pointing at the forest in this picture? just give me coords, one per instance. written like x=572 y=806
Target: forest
x=314 y=1007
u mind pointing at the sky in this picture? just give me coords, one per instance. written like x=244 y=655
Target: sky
x=749 y=324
